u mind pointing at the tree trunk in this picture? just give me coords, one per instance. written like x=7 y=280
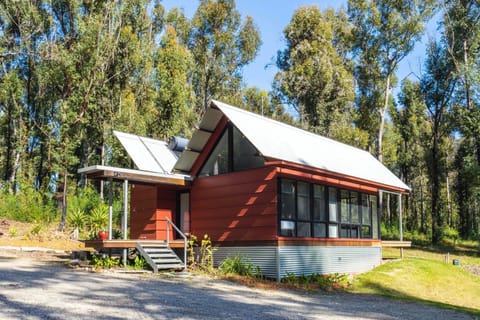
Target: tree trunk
x=64 y=202
x=383 y=112
x=436 y=216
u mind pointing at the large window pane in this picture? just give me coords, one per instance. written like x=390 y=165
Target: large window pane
x=344 y=206
x=303 y=201
x=365 y=210
x=319 y=209
x=333 y=231
x=373 y=204
x=354 y=211
x=245 y=155
x=288 y=199
x=332 y=204
x=344 y=232
x=303 y=229
x=287 y=228
x=217 y=162
x=366 y=232
x=320 y=230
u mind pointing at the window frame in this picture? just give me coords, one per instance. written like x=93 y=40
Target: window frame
x=231 y=152
x=354 y=230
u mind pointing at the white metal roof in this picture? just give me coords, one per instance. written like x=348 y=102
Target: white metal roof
x=148 y=154
x=280 y=141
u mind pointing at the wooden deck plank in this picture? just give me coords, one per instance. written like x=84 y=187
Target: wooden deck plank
x=396 y=244
x=130 y=243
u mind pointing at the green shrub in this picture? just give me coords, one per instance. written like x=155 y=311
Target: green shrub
x=12 y=232
x=98 y=218
x=105 y=262
x=450 y=234
x=27 y=205
x=77 y=219
x=239 y=265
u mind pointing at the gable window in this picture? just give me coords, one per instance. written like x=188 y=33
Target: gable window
x=310 y=210
x=233 y=152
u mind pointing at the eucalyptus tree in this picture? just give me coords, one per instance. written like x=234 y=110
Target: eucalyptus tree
x=22 y=28
x=410 y=121
x=314 y=77
x=384 y=33
x=461 y=22
x=438 y=86
x=174 y=95
x=221 y=45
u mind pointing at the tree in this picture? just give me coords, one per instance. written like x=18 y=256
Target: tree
x=314 y=77
x=221 y=46
x=173 y=114
x=438 y=86
x=410 y=122
x=462 y=37
x=385 y=32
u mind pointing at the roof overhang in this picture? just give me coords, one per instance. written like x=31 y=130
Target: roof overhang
x=135 y=176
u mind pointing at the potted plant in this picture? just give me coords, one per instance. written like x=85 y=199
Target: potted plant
x=103 y=235
x=98 y=221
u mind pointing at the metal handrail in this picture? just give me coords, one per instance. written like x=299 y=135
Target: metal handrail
x=169 y=222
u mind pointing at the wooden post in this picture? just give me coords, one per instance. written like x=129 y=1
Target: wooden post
x=125 y=217
x=110 y=208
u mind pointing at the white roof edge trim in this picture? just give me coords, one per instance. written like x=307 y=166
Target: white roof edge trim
x=133 y=171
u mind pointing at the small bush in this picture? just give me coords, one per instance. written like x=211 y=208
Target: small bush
x=12 y=232
x=327 y=282
x=239 y=265
x=105 y=262
x=98 y=219
x=77 y=219
x=450 y=235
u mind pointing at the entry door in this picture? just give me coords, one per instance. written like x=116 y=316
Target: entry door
x=184 y=211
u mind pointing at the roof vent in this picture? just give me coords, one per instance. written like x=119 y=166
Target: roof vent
x=177 y=144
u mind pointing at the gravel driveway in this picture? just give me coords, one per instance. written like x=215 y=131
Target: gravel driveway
x=35 y=289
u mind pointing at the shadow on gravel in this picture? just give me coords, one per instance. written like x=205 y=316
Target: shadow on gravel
x=46 y=291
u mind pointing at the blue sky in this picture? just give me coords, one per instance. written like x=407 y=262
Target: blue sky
x=271 y=17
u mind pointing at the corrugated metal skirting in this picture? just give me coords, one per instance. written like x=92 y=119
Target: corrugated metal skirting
x=263 y=257
x=304 y=259
x=323 y=260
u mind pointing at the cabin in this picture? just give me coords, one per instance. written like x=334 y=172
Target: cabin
x=287 y=200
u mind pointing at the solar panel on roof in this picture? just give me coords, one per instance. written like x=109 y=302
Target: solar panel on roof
x=148 y=154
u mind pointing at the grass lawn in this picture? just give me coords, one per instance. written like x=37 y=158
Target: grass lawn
x=424 y=276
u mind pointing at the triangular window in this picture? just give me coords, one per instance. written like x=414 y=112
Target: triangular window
x=233 y=152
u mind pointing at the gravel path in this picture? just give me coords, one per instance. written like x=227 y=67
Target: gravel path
x=36 y=288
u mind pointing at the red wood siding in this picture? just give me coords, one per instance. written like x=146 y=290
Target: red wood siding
x=166 y=207
x=148 y=206
x=143 y=208
x=240 y=206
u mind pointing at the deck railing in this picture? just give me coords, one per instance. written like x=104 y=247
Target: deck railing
x=169 y=222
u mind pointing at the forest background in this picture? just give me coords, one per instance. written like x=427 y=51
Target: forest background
x=72 y=71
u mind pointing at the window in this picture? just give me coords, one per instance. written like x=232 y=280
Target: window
x=217 y=163
x=312 y=210
x=233 y=152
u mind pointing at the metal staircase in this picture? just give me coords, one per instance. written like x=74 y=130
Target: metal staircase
x=160 y=256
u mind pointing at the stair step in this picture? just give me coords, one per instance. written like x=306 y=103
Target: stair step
x=166 y=261
x=159 y=251
x=170 y=266
x=163 y=256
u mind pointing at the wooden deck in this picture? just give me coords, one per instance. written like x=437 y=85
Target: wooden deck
x=396 y=244
x=130 y=243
